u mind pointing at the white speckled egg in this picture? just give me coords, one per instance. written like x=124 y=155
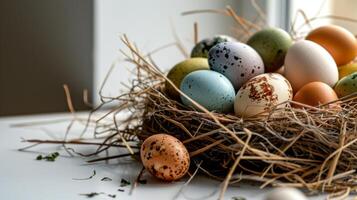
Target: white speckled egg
x=261 y=93
x=210 y=89
x=285 y=193
x=165 y=157
x=307 y=62
x=237 y=61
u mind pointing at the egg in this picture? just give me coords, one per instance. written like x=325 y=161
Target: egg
x=347 y=85
x=306 y=62
x=338 y=41
x=347 y=69
x=281 y=70
x=202 y=47
x=165 y=157
x=272 y=45
x=237 y=61
x=210 y=89
x=285 y=193
x=180 y=70
x=315 y=93
x=261 y=93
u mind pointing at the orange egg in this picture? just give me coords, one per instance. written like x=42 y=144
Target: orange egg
x=315 y=93
x=165 y=157
x=338 y=41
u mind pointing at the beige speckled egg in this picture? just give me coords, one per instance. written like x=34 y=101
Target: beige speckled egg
x=165 y=157
x=261 y=93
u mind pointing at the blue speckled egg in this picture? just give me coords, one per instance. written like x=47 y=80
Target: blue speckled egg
x=202 y=48
x=237 y=61
x=210 y=89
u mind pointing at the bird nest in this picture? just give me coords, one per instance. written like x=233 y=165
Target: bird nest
x=299 y=146
x=304 y=146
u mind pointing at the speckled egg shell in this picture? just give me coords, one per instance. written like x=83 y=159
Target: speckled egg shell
x=180 y=70
x=237 y=61
x=348 y=69
x=347 y=85
x=202 y=48
x=261 y=93
x=165 y=157
x=272 y=45
x=306 y=62
x=210 y=89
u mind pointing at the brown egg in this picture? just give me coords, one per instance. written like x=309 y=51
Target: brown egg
x=315 y=93
x=281 y=70
x=165 y=157
x=338 y=41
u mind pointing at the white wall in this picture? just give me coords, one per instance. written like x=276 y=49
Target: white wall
x=147 y=23
x=346 y=8
x=311 y=8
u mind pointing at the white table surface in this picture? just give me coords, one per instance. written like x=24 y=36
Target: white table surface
x=24 y=177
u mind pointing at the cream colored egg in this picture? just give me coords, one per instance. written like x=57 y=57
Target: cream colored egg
x=285 y=193
x=261 y=93
x=306 y=62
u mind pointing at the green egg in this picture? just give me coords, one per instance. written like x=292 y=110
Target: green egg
x=202 y=48
x=272 y=45
x=347 y=85
x=180 y=70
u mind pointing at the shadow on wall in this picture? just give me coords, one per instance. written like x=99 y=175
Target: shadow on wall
x=44 y=44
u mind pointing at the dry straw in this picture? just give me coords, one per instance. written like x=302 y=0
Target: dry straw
x=308 y=147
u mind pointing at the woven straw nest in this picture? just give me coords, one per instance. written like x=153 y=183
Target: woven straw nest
x=299 y=146
x=307 y=147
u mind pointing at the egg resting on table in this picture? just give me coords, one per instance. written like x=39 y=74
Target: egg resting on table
x=306 y=62
x=210 y=89
x=315 y=93
x=165 y=157
x=285 y=193
x=261 y=93
x=338 y=41
x=202 y=48
x=180 y=70
x=348 y=69
x=272 y=45
x=237 y=61
x=347 y=85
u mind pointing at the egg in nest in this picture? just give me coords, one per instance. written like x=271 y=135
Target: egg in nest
x=347 y=85
x=180 y=70
x=338 y=41
x=202 y=48
x=236 y=61
x=210 y=89
x=346 y=70
x=261 y=93
x=307 y=62
x=315 y=93
x=272 y=45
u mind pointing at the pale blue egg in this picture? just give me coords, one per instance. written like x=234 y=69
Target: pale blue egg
x=210 y=89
